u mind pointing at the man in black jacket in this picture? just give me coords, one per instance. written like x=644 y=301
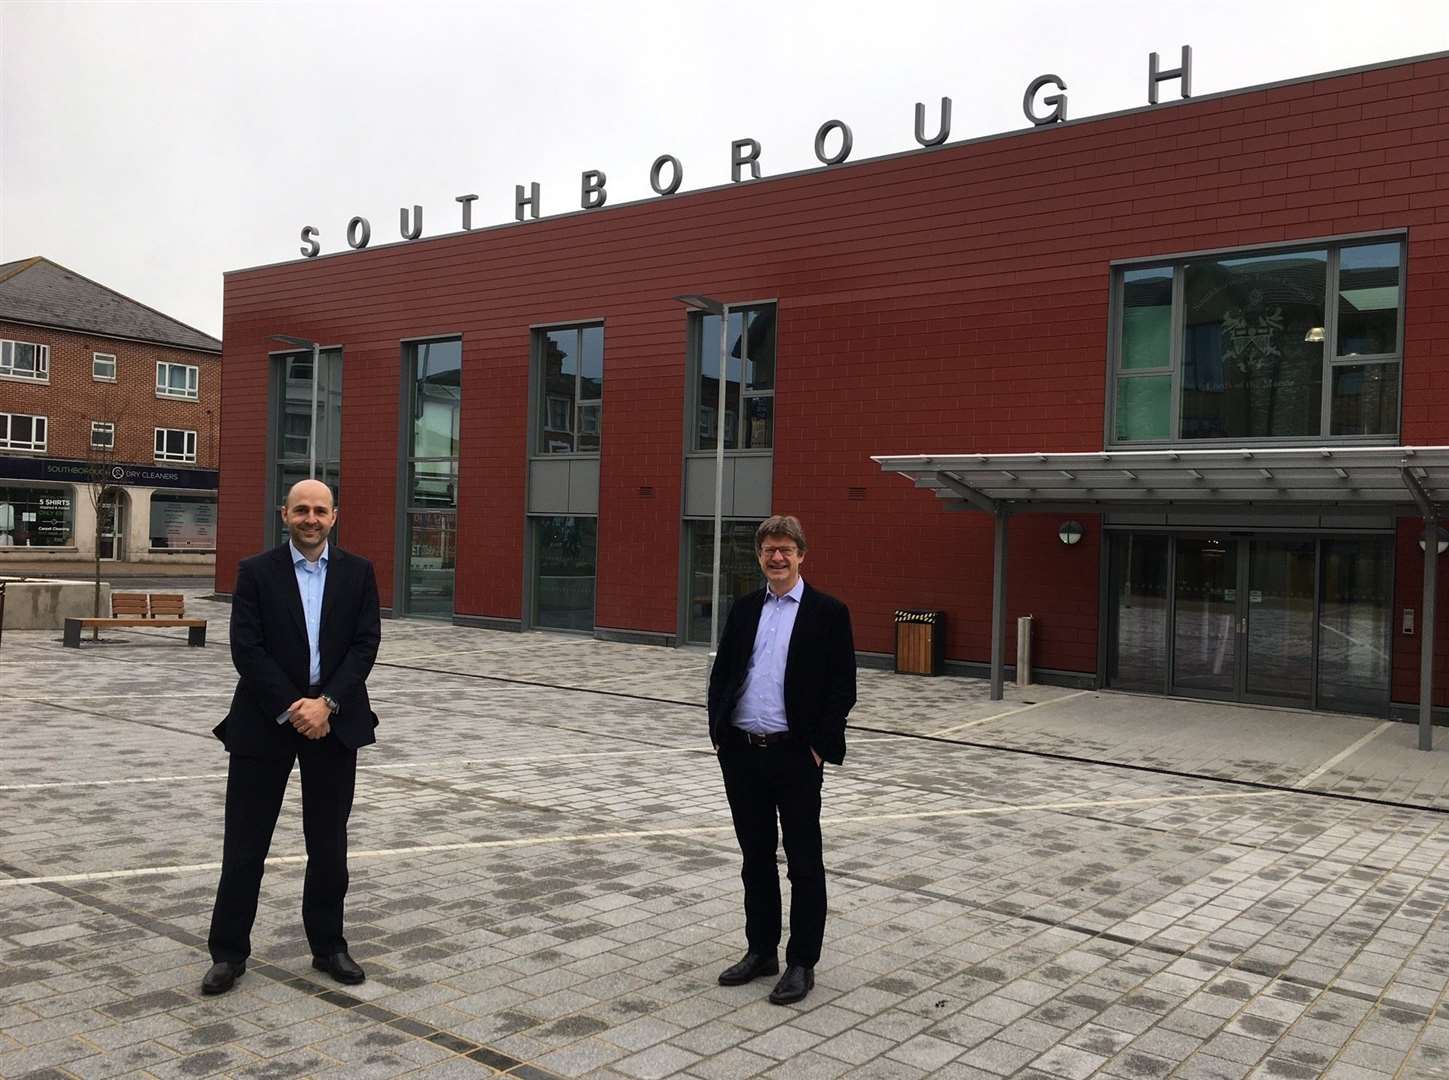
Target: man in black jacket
x=305 y=628
x=782 y=685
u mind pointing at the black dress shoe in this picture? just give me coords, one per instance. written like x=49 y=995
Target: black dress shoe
x=751 y=967
x=341 y=967
x=793 y=985
x=221 y=977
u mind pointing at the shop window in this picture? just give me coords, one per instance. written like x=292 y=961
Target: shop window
x=749 y=373
x=571 y=389
x=175 y=444
x=176 y=380
x=25 y=360
x=103 y=367
x=19 y=431
x=37 y=517
x=183 y=522
x=1262 y=345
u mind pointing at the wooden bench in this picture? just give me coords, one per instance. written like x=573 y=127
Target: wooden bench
x=140 y=609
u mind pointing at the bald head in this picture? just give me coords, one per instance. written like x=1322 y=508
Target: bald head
x=309 y=515
x=311 y=491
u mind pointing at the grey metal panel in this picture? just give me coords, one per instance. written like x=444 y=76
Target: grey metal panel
x=548 y=487
x=1243 y=520
x=584 y=486
x=753 y=481
x=1132 y=517
x=1356 y=521
x=699 y=487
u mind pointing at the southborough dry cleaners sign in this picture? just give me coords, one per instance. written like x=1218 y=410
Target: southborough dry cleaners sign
x=667 y=173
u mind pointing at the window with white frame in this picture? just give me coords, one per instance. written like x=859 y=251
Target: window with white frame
x=21 y=432
x=176 y=380
x=175 y=444
x=25 y=360
x=103 y=435
x=103 y=367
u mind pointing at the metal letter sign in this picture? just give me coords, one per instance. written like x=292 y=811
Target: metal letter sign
x=745 y=154
x=1057 y=101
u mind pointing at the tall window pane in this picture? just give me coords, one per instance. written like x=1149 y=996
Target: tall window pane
x=709 y=376
x=1147 y=318
x=739 y=572
x=564 y=556
x=1253 y=356
x=434 y=372
x=1368 y=300
x=571 y=390
x=292 y=424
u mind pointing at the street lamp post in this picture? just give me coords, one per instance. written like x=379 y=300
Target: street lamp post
x=307 y=343
x=711 y=306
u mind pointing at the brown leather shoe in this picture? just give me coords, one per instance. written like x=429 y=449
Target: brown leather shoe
x=751 y=967
x=341 y=967
x=793 y=985
x=222 y=976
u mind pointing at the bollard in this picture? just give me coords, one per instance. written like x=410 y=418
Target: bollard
x=1023 y=652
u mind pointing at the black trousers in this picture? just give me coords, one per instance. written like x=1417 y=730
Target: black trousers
x=761 y=783
x=254 y=791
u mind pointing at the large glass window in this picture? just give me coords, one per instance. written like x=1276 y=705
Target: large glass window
x=37 y=517
x=183 y=522
x=25 y=360
x=292 y=424
x=176 y=380
x=749 y=373
x=739 y=572
x=1260 y=346
x=565 y=549
x=435 y=394
x=571 y=389
x=175 y=444
x=18 y=431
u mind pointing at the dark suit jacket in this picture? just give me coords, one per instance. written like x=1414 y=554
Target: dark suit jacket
x=819 y=670
x=269 y=649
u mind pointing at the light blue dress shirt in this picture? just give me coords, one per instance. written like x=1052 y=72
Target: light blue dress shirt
x=761 y=708
x=311 y=584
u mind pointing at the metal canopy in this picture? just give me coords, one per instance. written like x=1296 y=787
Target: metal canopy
x=1414 y=479
x=1380 y=477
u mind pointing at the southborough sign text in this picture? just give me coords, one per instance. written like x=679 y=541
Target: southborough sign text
x=666 y=174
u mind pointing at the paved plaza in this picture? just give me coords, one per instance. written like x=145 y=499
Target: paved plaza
x=545 y=882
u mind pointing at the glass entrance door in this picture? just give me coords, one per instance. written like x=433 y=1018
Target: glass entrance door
x=1276 y=611
x=1296 y=621
x=112 y=531
x=1205 y=618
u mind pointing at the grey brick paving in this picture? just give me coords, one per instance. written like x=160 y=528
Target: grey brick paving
x=549 y=872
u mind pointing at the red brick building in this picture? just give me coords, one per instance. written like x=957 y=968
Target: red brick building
x=97 y=387
x=522 y=420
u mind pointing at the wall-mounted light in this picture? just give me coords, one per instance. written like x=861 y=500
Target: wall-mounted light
x=1442 y=546
x=1315 y=333
x=1072 y=532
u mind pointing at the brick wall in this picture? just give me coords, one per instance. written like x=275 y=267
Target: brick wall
x=72 y=398
x=951 y=300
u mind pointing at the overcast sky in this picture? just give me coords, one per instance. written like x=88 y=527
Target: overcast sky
x=153 y=146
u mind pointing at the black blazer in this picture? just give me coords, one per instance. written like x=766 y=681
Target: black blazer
x=269 y=649
x=819 y=670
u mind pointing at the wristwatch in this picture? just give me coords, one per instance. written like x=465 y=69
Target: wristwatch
x=331 y=702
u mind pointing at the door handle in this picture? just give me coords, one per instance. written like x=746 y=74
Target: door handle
x=1243 y=625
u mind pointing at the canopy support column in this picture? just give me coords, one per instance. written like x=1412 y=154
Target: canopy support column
x=1427 y=608
x=1426 y=639
x=998 y=608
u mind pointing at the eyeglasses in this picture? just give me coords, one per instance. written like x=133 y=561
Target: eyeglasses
x=771 y=552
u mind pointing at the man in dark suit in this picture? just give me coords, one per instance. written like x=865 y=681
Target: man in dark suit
x=305 y=628
x=782 y=685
